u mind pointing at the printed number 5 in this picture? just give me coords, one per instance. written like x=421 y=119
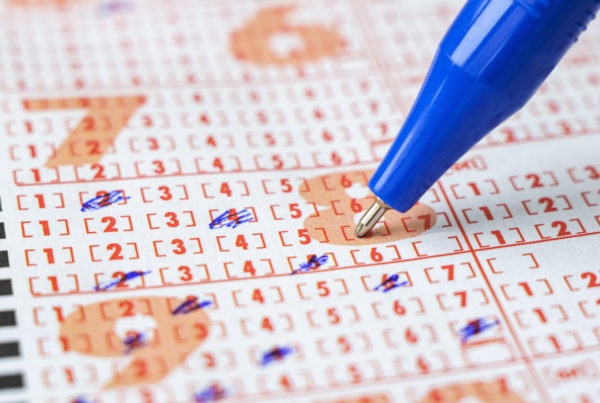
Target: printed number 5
x=322 y=287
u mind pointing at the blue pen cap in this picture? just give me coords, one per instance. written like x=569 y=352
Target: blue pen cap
x=494 y=57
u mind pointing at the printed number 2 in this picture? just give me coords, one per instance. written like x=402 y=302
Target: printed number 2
x=592 y=279
x=91 y=331
x=91 y=139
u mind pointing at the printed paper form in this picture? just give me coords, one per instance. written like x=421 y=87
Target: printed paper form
x=180 y=187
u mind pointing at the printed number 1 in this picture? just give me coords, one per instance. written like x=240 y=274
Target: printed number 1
x=91 y=138
x=91 y=331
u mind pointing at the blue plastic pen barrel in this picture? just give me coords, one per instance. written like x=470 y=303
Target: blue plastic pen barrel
x=492 y=60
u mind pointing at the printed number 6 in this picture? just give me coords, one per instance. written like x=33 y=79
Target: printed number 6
x=336 y=224
x=252 y=43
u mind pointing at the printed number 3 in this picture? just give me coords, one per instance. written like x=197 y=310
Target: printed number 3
x=91 y=331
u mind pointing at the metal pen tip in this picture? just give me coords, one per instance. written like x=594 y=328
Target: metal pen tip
x=371 y=218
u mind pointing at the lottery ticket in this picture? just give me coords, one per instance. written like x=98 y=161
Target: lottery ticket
x=179 y=189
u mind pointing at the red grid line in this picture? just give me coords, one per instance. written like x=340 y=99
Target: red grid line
x=524 y=356
x=471 y=250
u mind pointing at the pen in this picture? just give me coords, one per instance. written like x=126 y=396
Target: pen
x=493 y=58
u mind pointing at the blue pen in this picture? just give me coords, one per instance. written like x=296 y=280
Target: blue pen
x=494 y=57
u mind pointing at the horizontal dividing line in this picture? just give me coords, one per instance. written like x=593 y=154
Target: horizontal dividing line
x=523 y=354
x=252 y=278
x=366 y=265
x=380 y=381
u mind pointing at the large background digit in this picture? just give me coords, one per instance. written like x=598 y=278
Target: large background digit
x=173 y=339
x=483 y=392
x=253 y=42
x=90 y=140
x=336 y=224
x=42 y=3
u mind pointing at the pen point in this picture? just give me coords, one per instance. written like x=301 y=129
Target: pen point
x=371 y=218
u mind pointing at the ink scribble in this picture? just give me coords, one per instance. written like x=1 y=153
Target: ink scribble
x=390 y=284
x=134 y=340
x=475 y=327
x=276 y=354
x=314 y=262
x=114 y=7
x=104 y=200
x=211 y=394
x=125 y=278
x=231 y=219
x=189 y=305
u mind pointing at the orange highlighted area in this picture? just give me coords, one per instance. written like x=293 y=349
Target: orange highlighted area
x=254 y=42
x=335 y=224
x=42 y=3
x=91 y=330
x=484 y=392
x=95 y=134
x=379 y=398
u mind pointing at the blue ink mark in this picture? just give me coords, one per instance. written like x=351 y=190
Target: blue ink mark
x=475 y=327
x=133 y=341
x=104 y=200
x=390 y=284
x=276 y=354
x=126 y=277
x=313 y=263
x=211 y=394
x=112 y=7
x=190 y=305
x=231 y=219
x=81 y=399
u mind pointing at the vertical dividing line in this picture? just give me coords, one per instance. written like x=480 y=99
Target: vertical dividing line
x=524 y=357
x=359 y=14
